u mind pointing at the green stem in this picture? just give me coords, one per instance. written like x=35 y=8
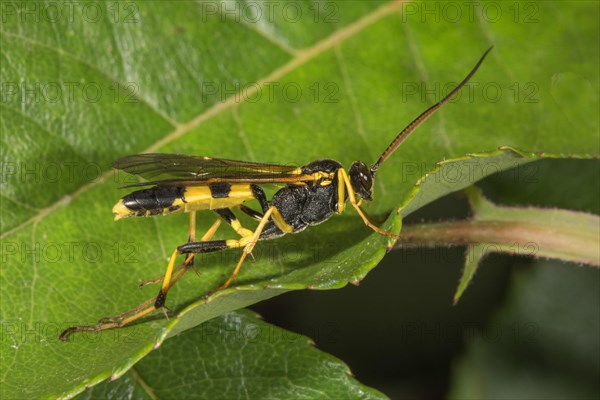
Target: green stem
x=550 y=239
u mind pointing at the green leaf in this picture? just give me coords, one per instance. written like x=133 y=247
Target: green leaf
x=458 y=173
x=475 y=254
x=237 y=356
x=184 y=79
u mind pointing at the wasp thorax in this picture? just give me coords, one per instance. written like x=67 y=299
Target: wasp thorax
x=361 y=179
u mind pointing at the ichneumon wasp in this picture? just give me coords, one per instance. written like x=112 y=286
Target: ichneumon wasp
x=311 y=194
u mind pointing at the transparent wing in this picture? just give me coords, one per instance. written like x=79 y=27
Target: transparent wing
x=180 y=169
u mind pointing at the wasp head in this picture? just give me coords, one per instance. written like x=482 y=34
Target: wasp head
x=361 y=179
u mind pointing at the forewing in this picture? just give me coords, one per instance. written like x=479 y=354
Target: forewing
x=179 y=169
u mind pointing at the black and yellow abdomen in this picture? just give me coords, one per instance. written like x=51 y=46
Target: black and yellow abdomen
x=162 y=200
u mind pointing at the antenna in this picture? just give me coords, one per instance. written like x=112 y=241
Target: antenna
x=423 y=117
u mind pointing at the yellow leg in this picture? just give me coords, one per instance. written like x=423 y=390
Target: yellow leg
x=166 y=285
x=239 y=229
x=355 y=204
x=248 y=242
x=191 y=237
x=342 y=192
x=226 y=215
x=143 y=309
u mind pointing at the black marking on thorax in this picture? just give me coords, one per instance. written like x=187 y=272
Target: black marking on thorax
x=327 y=166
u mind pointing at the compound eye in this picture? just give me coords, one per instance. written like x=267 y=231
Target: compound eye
x=366 y=181
x=361 y=180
